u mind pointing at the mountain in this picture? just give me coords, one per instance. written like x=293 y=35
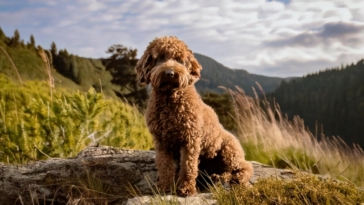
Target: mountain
x=333 y=98
x=215 y=74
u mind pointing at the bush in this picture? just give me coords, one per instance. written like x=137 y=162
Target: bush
x=35 y=124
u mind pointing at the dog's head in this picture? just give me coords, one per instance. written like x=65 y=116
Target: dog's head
x=167 y=63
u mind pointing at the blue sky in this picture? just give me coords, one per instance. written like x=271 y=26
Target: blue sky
x=275 y=38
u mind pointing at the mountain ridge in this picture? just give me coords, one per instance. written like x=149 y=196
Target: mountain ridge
x=215 y=74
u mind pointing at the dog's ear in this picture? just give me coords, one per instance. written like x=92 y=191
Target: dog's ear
x=143 y=68
x=195 y=68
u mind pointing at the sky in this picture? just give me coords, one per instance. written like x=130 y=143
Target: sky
x=274 y=38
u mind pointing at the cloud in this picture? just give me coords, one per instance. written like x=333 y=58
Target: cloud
x=340 y=30
x=346 y=33
x=280 y=38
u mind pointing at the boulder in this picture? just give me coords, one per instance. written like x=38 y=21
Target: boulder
x=98 y=175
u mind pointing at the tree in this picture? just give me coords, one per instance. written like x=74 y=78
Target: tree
x=64 y=63
x=15 y=40
x=54 y=49
x=31 y=43
x=121 y=64
x=63 y=53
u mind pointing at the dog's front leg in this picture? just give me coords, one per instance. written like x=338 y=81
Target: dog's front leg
x=188 y=169
x=166 y=169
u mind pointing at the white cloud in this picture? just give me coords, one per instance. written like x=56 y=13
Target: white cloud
x=262 y=37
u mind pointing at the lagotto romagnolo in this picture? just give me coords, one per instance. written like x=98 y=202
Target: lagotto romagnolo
x=186 y=131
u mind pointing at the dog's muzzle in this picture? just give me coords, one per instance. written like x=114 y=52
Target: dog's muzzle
x=169 y=73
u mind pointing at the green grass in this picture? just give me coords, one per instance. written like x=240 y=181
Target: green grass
x=35 y=125
x=30 y=66
x=86 y=72
x=304 y=189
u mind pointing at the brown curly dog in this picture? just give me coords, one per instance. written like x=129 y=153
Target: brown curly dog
x=186 y=131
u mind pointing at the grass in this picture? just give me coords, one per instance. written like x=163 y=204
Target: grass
x=34 y=126
x=304 y=189
x=30 y=65
x=27 y=64
x=269 y=137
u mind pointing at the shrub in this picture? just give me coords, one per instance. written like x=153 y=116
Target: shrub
x=35 y=125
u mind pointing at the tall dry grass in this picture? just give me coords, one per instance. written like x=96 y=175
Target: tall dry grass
x=13 y=65
x=47 y=62
x=270 y=137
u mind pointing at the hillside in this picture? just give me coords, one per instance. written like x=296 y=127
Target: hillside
x=82 y=73
x=333 y=98
x=215 y=74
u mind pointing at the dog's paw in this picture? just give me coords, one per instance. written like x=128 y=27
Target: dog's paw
x=215 y=178
x=163 y=187
x=186 y=190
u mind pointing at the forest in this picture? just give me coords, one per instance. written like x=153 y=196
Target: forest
x=329 y=101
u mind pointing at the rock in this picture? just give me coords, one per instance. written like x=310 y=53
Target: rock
x=200 y=199
x=96 y=169
x=107 y=175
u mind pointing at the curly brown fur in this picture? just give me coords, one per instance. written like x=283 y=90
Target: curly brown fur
x=186 y=131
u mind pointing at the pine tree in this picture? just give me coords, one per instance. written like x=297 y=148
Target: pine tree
x=31 y=43
x=54 y=49
x=15 y=40
x=121 y=65
x=63 y=53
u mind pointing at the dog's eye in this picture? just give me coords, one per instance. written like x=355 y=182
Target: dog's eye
x=161 y=57
x=180 y=61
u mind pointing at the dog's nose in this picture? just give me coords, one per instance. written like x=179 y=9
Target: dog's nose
x=169 y=73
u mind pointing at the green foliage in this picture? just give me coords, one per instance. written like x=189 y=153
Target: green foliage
x=223 y=106
x=85 y=72
x=70 y=71
x=31 y=43
x=35 y=126
x=53 y=49
x=304 y=189
x=121 y=64
x=333 y=98
x=15 y=40
x=30 y=66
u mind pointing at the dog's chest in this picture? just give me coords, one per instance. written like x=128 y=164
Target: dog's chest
x=173 y=119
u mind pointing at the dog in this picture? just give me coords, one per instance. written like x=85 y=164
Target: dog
x=186 y=132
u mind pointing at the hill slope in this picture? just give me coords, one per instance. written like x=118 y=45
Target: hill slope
x=215 y=74
x=79 y=74
x=333 y=98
